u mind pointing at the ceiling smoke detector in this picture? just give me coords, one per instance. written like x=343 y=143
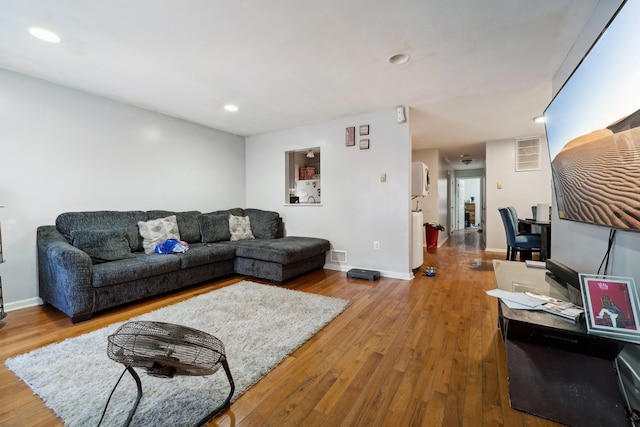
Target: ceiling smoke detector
x=466 y=161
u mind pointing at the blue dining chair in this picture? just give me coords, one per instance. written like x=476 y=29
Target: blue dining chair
x=527 y=229
x=517 y=242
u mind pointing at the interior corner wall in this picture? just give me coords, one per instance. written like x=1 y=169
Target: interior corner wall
x=519 y=189
x=428 y=203
x=443 y=200
x=601 y=15
x=433 y=205
x=357 y=208
x=66 y=150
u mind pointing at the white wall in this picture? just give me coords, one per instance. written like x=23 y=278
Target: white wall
x=519 y=189
x=473 y=187
x=356 y=209
x=601 y=15
x=64 y=150
x=581 y=246
x=428 y=203
x=434 y=205
x=443 y=205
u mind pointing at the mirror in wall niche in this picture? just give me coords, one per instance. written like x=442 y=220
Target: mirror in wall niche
x=302 y=174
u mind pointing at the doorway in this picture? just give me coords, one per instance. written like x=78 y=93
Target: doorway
x=468 y=203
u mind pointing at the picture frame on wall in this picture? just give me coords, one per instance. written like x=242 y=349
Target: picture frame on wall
x=364 y=144
x=611 y=306
x=350 y=136
x=364 y=130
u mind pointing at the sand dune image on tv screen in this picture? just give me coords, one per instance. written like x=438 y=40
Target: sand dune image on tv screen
x=597 y=178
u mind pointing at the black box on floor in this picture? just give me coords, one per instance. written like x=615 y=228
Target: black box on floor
x=359 y=273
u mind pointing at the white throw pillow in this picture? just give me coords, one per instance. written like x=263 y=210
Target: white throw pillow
x=157 y=231
x=240 y=228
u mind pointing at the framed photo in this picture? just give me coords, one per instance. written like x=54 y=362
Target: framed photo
x=364 y=144
x=350 y=136
x=364 y=130
x=611 y=306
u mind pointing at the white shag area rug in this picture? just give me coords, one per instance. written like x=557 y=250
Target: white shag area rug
x=259 y=326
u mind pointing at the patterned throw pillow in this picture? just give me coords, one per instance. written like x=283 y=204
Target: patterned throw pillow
x=240 y=228
x=157 y=231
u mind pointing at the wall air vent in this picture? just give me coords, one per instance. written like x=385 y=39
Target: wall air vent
x=338 y=256
x=527 y=154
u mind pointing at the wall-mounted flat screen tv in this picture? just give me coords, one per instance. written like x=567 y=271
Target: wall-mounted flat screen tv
x=593 y=130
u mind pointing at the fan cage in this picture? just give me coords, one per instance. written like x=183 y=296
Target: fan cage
x=166 y=349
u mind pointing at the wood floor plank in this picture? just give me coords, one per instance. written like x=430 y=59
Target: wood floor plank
x=423 y=352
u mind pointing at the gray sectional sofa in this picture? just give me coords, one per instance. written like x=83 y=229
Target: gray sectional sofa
x=92 y=261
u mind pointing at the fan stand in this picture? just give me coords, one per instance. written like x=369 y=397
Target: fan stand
x=166 y=350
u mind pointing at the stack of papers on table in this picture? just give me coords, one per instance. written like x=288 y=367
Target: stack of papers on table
x=535 y=264
x=533 y=301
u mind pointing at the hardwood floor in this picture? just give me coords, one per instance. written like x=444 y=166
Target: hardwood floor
x=405 y=353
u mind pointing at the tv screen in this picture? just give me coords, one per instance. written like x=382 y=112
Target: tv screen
x=593 y=132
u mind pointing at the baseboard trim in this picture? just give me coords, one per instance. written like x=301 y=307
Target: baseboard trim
x=33 y=302
x=503 y=251
x=17 y=305
x=389 y=274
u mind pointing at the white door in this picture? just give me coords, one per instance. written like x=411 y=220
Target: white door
x=451 y=201
x=460 y=204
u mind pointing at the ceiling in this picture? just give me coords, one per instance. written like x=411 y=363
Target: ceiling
x=478 y=70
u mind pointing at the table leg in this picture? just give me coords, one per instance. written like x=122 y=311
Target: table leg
x=545 y=242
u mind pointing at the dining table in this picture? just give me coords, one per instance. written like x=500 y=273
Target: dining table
x=545 y=235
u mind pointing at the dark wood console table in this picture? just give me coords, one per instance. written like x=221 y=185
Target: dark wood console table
x=556 y=370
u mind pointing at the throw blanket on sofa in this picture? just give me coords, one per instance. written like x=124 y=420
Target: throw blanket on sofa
x=170 y=246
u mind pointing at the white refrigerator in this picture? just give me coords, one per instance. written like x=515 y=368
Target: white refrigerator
x=308 y=190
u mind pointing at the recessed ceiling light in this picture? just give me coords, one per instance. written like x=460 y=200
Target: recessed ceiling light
x=45 y=35
x=539 y=119
x=231 y=108
x=399 y=58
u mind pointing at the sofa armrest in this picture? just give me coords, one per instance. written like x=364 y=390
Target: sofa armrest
x=64 y=274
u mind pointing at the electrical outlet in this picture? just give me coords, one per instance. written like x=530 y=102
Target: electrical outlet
x=376 y=244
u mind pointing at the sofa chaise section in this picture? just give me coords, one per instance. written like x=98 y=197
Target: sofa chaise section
x=92 y=261
x=280 y=259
